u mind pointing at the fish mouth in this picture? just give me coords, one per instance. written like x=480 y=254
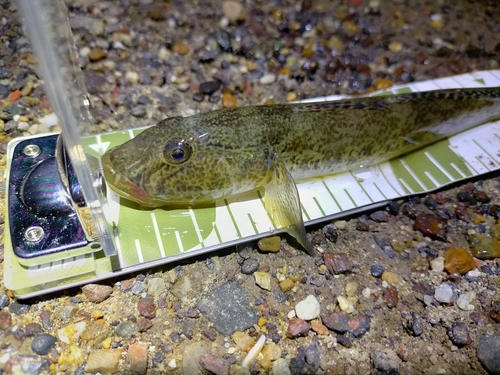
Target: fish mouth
x=124 y=187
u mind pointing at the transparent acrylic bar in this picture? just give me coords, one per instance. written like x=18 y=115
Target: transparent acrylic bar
x=49 y=33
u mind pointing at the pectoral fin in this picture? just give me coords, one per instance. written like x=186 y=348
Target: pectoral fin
x=283 y=204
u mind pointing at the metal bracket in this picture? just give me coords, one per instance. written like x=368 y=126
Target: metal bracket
x=48 y=217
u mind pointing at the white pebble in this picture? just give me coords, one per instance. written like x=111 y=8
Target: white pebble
x=291 y=314
x=49 y=120
x=84 y=51
x=267 y=79
x=464 y=301
x=437 y=264
x=23 y=126
x=132 y=77
x=340 y=224
x=436 y=17
x=308 y=308
x=16 y=118
x=172 y=363
x=366 y=292
x=474 y=273
x=443 y=293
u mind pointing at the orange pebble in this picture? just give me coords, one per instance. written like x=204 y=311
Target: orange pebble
x=383 y=83
x=319 y=328
x=180 y=48
x=15 y=95
x=229 y=101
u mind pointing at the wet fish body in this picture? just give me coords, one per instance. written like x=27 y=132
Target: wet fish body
x=202 y=158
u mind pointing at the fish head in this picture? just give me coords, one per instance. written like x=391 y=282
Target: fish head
x=181 y=162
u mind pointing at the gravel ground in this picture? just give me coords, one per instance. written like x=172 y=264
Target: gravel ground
x=395 y=291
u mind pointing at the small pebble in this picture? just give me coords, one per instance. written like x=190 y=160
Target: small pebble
x=459 y=334
x=345 y=304
x=5 y=319
x=263 y=279
x=4 y=300
x=337 y=321
x=395 y=47
x=156 y=286
x=96 y=54
x=444 y=293
x=146 y=307
x=437 y=264
x=431 y=226
x=233 y=10
x=137 y=357
x=464 y=301
x=337 y=263
x=385 y=361
x=180 y=48
x=96 y=292
x=103 y=361
x=392 y=278
x=271 y=352
x=126 y=329
x=297 y=328
x=209 y=87
x=415 y=324
x=249 y=266
x=287 y=285
x=483 y=246
x=377 y=271
x=359 y=325
x=319 y=328
x=132 y=77
x=379 y=216
x=229 y=100
x=267 y=79
x=43 y=343
x=458 y=260
x=243 y=340
x=214 y=365
x=391 y=296
x=18 y=308
x=139 y=287
x=280 y=367
x=270 y=244
x=308 y=308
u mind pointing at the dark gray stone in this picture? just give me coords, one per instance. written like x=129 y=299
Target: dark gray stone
x=4 y=300
x=228 y=308
x=307 y=360
x=377 y=270
x=43 y=343
x=249 y=266
x=385 y=362
x=18 y=308
x=5 y=73
x=459 y=334
x=488 y=352
x=415 y=324
x=4 y=91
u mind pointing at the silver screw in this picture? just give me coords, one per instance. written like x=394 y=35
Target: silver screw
x=32 y=151
x=34 y=234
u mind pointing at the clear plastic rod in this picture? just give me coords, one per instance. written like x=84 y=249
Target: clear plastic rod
x=49 y=32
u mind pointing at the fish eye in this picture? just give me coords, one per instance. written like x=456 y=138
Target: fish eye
x=177 y=152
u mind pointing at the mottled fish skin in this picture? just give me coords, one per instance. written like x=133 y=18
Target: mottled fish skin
x=202 y=158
